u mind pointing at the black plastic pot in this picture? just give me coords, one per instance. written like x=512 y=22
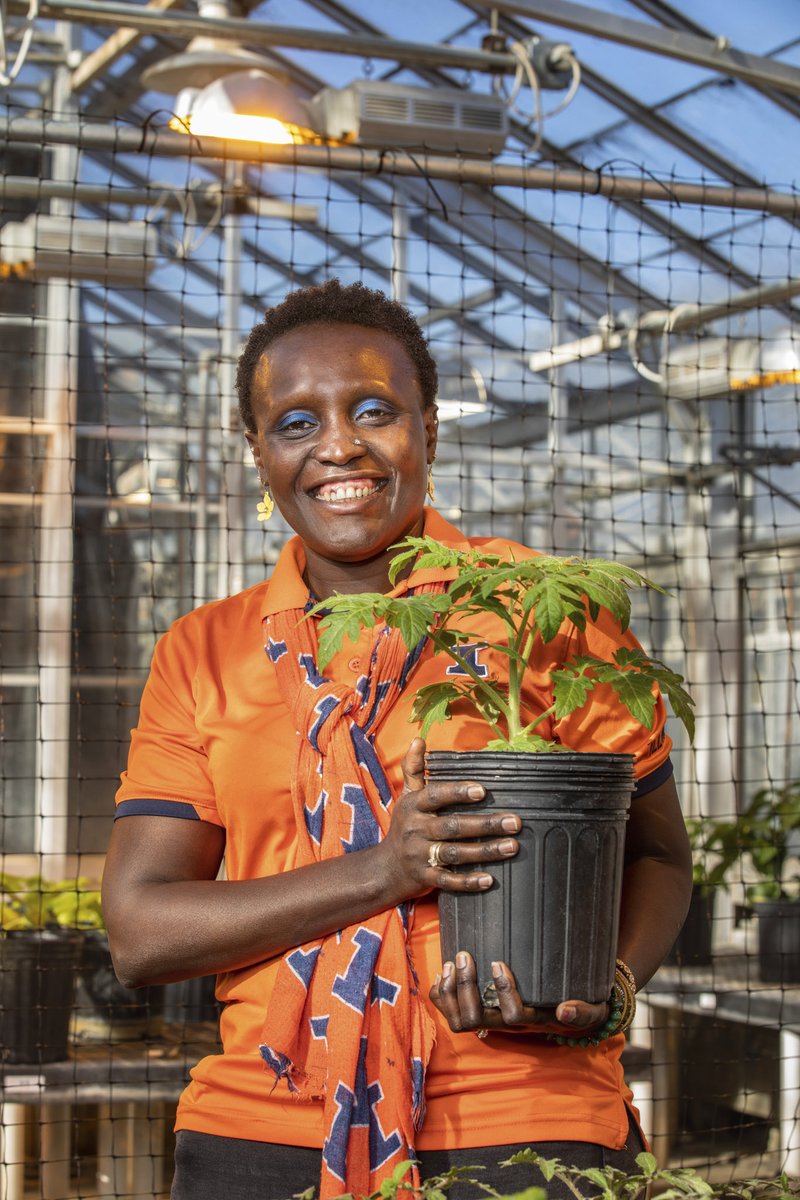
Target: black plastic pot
x=104 y=1008
x=778 y=941
x=37 y=975
x=693 y=945
x=553 y=912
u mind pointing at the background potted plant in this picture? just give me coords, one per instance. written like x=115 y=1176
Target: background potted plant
x=768 y=831
x=42 y=923
x=556 y=926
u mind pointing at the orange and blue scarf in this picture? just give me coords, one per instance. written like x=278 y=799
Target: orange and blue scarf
x=346 y=1021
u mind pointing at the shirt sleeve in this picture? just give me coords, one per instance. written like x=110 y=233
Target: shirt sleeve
x=168 y=771
x=604 y=724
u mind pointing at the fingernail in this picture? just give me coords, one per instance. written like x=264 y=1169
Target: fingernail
x=510 y=824
x=461 y=960
x=567 y=1015
x=497 y=971
x=485 y=881
x=507 y=847
x=475 y=791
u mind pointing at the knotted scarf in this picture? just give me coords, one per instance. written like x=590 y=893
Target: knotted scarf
x=346 y=1021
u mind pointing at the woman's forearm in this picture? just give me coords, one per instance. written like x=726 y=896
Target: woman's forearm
x=657 y=883
x=179 y=929
x=655 y=898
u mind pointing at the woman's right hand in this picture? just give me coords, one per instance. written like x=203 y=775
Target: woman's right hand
x=421 y=820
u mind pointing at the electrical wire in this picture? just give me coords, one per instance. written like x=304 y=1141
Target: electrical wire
x=7 y=77
x=526 y=72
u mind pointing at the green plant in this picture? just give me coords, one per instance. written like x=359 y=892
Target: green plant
x=715 y=849
x=599 y=1183
x=768 y=831
x=30 y=902
x=530 y=598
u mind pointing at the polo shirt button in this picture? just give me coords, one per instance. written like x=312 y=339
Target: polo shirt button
x=355 y=664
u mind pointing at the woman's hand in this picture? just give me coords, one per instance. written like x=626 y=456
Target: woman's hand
x=455 y=993
x=420 y=821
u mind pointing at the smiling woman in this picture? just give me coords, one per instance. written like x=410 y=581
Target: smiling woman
x=349 y=1048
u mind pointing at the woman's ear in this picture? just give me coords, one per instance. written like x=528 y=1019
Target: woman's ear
x=255 y=450
x=431 y=417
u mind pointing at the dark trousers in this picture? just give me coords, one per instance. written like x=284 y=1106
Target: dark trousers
x=221 y=1168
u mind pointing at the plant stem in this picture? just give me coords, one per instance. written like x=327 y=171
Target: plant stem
x=495 y=697
x=538 y=720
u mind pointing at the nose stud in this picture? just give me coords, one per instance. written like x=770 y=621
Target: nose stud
x=357 y=442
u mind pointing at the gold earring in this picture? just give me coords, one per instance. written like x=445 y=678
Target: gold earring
x=265 y=507
x=431 y=490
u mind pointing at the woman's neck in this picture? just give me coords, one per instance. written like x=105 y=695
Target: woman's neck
x=326 y=578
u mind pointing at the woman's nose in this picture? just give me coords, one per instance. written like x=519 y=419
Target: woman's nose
x=339 y=443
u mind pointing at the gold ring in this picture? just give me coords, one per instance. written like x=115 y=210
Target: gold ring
x=481 y=1033
x=435 y=855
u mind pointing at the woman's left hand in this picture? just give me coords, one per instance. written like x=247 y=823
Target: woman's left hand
x=455 y=994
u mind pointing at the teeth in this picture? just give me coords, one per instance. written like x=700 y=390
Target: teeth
x=348 y=491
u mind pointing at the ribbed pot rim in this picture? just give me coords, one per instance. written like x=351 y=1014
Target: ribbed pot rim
x=504 y=764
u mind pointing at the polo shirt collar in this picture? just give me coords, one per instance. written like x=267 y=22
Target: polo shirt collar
x=287 y=589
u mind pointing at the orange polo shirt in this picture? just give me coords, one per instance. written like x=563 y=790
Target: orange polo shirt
x=215 y=742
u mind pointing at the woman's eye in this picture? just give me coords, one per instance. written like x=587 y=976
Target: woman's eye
x=371 y=410
x=295 y=422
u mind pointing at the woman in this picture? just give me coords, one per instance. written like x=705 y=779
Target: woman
x=341 y=1024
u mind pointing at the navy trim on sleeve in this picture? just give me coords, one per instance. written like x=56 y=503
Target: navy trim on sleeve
x=648 y=783
x=156 y=808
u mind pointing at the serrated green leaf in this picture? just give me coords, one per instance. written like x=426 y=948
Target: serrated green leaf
x=400 y=561
x=435 y=714
x=570 y=691
x=635 y=692
x=402 y=1169
x=412 y=619
x=331 y=636
x=647 y=1163
x=432 y=703
x=549 y=614
x=596 y=1175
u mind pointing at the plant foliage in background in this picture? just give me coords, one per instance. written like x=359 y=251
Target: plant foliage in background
x=30 y=902
x=530 y=598
x=768 y=831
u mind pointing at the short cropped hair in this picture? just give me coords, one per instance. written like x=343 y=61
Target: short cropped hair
x=332 y=303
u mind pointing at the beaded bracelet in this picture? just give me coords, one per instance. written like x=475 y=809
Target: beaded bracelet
x=621 y=1011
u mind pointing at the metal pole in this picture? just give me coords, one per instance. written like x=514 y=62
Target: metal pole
x=55 y=575
x=232 y=517
x=715 y=53
x=562 y=524
x=399 y=250
x=185 y=25
x=205 y=197
x=163 y=143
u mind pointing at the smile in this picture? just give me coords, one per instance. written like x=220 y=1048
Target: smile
x=348 y=489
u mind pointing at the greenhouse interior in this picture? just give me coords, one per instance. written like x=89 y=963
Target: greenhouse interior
x=592 y=211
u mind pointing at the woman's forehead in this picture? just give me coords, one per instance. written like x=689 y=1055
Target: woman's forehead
x=323 y=353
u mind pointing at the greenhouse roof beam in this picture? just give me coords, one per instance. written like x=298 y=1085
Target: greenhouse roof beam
x=673 y=19
x=121 y=42
x=184 y=24
x=716 y=54
x=587 y=407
